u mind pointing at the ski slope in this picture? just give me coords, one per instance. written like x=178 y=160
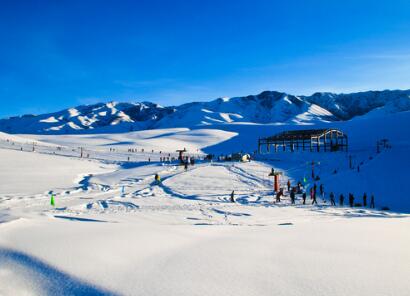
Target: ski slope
x=115 y=231
x=183 y=237
x=28 y=173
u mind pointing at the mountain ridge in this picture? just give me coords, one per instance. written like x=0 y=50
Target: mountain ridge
x=268 y=107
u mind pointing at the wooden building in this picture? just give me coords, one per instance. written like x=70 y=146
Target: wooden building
x=327 y=140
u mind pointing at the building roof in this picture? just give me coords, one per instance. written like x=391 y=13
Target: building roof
x=301 y=134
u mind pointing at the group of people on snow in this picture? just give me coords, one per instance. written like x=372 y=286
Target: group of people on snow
x=314 y=192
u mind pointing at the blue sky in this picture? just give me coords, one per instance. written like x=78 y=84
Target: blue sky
x=57 y=54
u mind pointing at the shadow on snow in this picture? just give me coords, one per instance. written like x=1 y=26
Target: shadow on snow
x=50 y=280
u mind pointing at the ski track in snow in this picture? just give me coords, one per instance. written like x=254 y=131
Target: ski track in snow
x=116 y=231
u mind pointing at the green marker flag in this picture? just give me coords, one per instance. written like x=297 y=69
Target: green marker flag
x=52 y=200
x=304 y=179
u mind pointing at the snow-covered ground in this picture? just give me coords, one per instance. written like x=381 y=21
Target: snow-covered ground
x=115 y=231
x=26 y=173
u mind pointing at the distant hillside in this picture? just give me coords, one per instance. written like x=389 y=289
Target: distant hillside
x=267 y=107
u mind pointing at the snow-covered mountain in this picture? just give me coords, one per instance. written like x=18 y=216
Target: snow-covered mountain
x=111 y=116
x=267 y=107
x=347 y=106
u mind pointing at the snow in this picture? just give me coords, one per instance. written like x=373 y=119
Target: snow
x=185 y=239
x=51 y=119
x=115 y=231
x=21 y=139
x=168 y=140
x=73 y=126
x=73 y=112
x=33 y=173
x=268 y=107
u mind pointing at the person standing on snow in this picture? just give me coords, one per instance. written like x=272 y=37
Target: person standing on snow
x=351 y=200
x=299 y=187
x=332 y=199
x=278 y=194
x=365 y=199
x=314 y=198
x=322 y=192
x=292 y=196
x=304 y=197
x=341 y=200
x=372 y=201
x=288 y=185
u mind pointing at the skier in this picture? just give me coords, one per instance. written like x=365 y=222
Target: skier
x=314 y=198
x=299 y=187
x=233 y=196
x=279 y=194
x=332 y=199
x=288 y=185
x=341 y=200
x=157 y=178
x=311 y=193
x=351 y=200
x=365 y=199
x=372 y=201
x=304 y=197
x=186 y=166
x=292 y=196
x=322 y=192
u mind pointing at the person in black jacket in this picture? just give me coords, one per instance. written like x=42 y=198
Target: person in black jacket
x=314 y=201
x=341 y=200
x=351 y=200
x=332 y=199
x=304 y=197
x=372 y=201
x=278 y=195
x=292 y=196
x=365 y=199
